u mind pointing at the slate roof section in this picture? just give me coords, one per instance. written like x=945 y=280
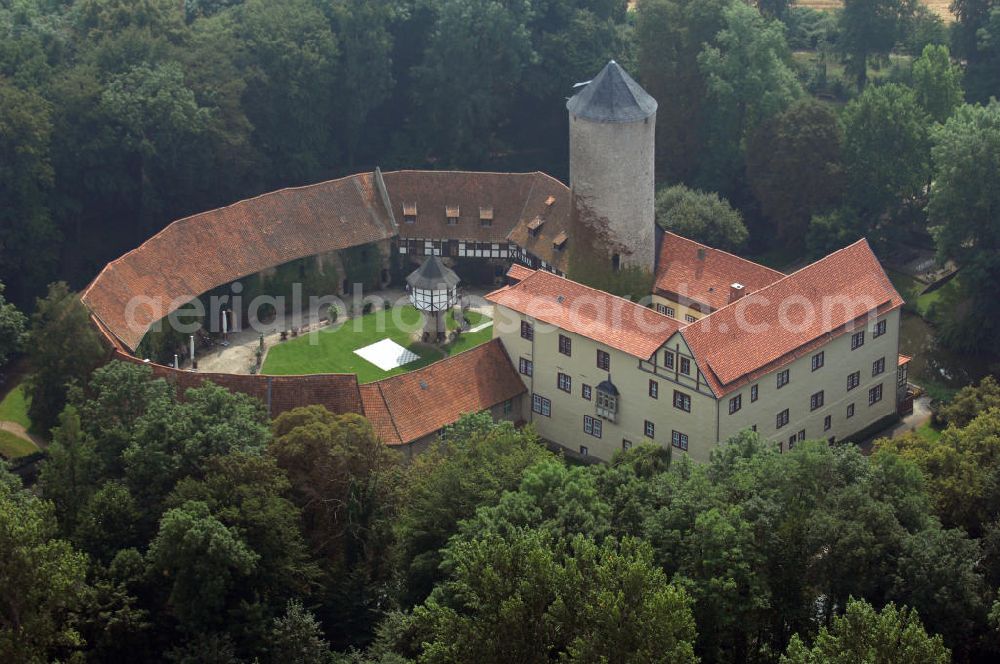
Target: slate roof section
x=410 y=406
x=612 y=96
x=610 y=320
x=433 y=275
x=689 y=271
x=198 y=253
x=767 y=329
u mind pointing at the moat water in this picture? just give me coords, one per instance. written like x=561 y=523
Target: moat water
x=932 y=363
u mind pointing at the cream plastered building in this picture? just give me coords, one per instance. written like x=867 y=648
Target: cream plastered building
x=810 y=355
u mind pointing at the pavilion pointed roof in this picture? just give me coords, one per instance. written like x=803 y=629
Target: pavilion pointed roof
x=433 y=275
x=612 y=96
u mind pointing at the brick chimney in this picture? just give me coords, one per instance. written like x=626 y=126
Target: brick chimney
x=736 y=291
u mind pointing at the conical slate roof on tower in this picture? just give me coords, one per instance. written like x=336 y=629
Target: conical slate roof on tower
x=433 y=275
x=612 y=96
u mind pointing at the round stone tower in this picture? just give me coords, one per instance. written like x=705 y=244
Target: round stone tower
x=612 y=130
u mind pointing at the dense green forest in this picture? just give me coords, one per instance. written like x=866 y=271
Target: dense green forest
x=118 y=116
x=197 y=531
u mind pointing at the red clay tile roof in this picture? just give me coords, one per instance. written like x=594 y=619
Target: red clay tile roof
x=518 y=272
x=409 y=406
x=777 y=324
x=681 y=273
x=903 y=359
x=196 y=254
x=508 y=198
x=338 y=393
x=605 y=318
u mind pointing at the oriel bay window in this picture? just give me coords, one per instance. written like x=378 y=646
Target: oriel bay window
x=606 y=402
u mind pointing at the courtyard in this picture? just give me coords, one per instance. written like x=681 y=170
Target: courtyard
x=334 y=349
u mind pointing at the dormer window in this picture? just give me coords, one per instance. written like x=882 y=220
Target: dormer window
x=606 y=401
x=550 y=201
x=486 y=216
x=410 y=213
x=535 y=226
x=559 y=242
x=451 y=212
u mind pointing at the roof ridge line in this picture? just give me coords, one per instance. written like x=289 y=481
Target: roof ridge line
x=727 y=253
x=792 y=274
x=589 y=288
x=392 y=418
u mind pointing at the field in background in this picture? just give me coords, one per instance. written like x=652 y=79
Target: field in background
x=940 y=7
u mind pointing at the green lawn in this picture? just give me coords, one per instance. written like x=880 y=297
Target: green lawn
x=928 y=432
x=14 y=407
x=910 y=289
x=12 y=447
x=332 y=350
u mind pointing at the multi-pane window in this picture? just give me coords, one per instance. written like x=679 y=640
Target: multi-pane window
x=606 y=405
x=626 y=444
x=753 y=393
x=783 y=378
x=817 y=360
x=668 y=359
x=880 y=328
x=816 y=400
x=584 y=450
x=827 y=422
x=782 y=419
x=682 y=401
x=585 y=392
x=654 y=389
x=857 y=340
x=527 y=330
x=802 y=434
x=525 y=366
x=878 y=366
x=603 y=360
x=850 y=410
x=685 y=366
x=564 y=382
x=649 y=430
x=592 y=426
x=679 y=440
x=853 y=380
x=735 y=403
x=875 y=395
x=689 y=318
x=565 y=345
x=541 y=405
x=665 y=310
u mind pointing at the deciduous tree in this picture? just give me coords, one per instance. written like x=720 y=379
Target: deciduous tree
x=964 y=210
x=63 y=347
x=863 y=634
x=794 y=167
x=701 y=216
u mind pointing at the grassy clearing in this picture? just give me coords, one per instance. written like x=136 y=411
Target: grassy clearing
x=911 y=289
x=928 y=433
x=332 y=350
x=14 y=407
x=12 y=447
